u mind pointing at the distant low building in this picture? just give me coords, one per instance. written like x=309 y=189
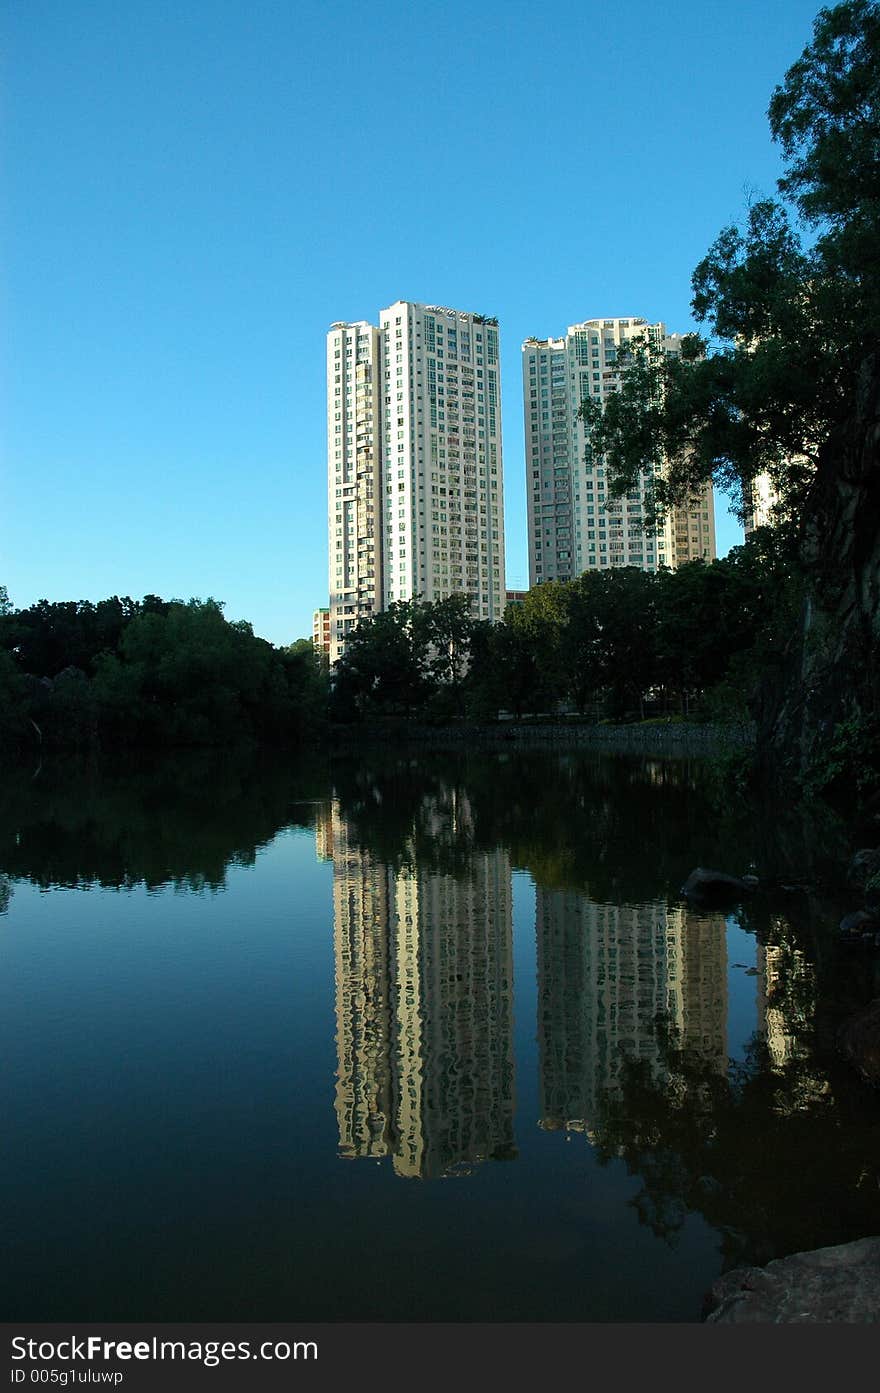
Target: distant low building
x=514 y=597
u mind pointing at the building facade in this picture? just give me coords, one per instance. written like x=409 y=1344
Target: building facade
x=760 y=503
x=415 y=485
x=574 y=525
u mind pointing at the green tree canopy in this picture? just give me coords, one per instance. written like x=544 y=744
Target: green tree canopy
x=388 y=665
x=154 y=672
x=790 y=322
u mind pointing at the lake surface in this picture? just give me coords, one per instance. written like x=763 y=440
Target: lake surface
x=409 y=1037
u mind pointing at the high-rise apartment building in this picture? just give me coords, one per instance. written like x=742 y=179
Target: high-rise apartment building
x=354 y=477
x=415 y=487
x=574 y=525
x=760 y=503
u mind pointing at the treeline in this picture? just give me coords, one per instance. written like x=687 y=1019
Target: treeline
x=149 y=673
x=612 y=644
x=616 y=644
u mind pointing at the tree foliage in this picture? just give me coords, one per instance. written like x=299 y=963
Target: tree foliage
x=777 y=1158
x=151 y=672
x=606 y=644
x=785 y=382
x=408 y=655
x=788 y=321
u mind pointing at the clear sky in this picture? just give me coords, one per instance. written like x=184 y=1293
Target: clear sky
x=195 y=189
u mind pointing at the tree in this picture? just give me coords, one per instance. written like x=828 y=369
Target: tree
x=504 y=673
x=14 y=729
x=449 y=629
x=627 y=628
x=693 y=647
x=540 y=625
x=123 y=672
x=384 y=666
x=414 y=655
x=788 y=383
x=188 y=677
x=306 y=671
x=49 y=637
x=725 y=622
x=587 y=665
x=825 y=116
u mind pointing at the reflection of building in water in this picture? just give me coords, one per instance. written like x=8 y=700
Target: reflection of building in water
x=700 y=977
x=424 y=1007
x=324 y=832
x=363 y=993
x=606 y=972
x=455 y=1017
x=786 y=1001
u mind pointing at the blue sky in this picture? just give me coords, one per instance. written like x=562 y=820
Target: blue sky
x=196 y=189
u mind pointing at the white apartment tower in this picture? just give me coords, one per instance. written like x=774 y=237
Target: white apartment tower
x=760 y=504
x=574 y=525
x=415 y=489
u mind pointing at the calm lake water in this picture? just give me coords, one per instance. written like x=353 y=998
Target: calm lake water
x=421 y=1037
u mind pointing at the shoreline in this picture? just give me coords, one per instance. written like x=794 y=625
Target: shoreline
x=650 y=738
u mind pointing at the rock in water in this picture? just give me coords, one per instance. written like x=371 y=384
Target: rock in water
x=703 y=884
x=838 y=1285
x=860 y=921
x=859 y=1040
x=864 y=865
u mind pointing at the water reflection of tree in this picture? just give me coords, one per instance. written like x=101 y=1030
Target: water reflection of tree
x=408 y=811
x=777 y=1159
x=182 y=821
x=619 y=826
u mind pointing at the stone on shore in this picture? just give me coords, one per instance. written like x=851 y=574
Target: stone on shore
x=839 y=1285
